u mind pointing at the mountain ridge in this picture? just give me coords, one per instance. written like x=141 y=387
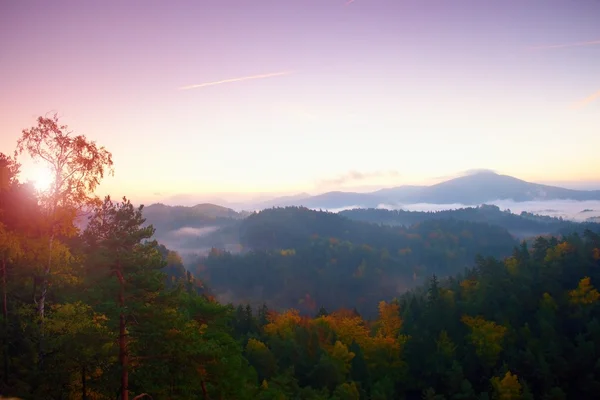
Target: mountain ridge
x=473 y=189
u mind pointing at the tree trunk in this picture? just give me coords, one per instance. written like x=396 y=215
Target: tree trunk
x=83 y=384
x=42 y=300
x=123 y=353
x=5 y=322
x=204 y=392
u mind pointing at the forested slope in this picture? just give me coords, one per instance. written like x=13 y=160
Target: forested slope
x=523 y=328
x=296 y=257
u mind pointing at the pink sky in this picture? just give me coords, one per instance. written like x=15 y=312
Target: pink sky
x=423 y=88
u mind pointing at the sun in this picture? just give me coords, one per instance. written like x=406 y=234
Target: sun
x=42 y=179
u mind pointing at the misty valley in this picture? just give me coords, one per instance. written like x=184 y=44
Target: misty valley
x=299 y=200
x=295 y=257
x=104 y=298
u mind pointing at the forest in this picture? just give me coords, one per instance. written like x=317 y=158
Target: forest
x=107 y=312
x=297 y=257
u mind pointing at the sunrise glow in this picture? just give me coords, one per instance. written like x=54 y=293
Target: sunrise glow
x=42 y=179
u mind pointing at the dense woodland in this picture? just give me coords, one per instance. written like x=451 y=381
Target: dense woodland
x=296 y=257
x=106 y=312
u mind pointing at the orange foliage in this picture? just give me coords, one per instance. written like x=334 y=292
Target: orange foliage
x=507 y=388
x=585 y=293
x=282 y=324
x=389 y=321
x=347 y=326
x=596 y=254
x=469 y=285
x=558 y=251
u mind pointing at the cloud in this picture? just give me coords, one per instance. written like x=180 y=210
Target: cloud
x=586 y=101
x=354 y=176
x=191 y=231
x=568 y=209
x=564 y=45
x=239 y=79
x=349 y=2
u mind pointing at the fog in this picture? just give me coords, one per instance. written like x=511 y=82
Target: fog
x=188 y=231
x=567 y=209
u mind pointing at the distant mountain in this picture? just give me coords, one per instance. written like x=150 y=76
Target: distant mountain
x=486 y=186
x=472 y=189
x=281 y=201
x=200 y=213
x=331 y=200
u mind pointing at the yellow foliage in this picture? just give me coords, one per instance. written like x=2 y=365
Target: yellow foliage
x=264 y=385
x=585 y=293
x=469 y=286
x=347 y=327
x=256 y=345
x=283 y=324
x=558 y=251
x=512 y=265
x=447 y=295
x=548 y=301
x=445 y=345
x=70 y=318
x=288 y=252
x=389 y=321
x=347 y=391
x=340 y=353
x=507 y=388
x=486 y=337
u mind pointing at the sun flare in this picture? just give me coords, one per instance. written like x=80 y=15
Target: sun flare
x=42 y=179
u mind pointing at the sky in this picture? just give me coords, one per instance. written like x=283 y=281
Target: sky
x=285 y=96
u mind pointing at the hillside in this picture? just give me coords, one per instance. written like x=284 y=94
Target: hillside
x=296 y=257
x=521 y=328
x=472 y=189
x=521 y=226
x=196 y=228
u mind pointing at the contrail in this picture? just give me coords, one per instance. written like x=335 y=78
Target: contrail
x=586 y=101
x=349 y=2
x=243 y=78
x=559 y=46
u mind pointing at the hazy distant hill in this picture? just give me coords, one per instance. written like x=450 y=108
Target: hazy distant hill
x=521 y=226
x=170 y=217
x=485 y=186
x=196 y=228
x=473 y=189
